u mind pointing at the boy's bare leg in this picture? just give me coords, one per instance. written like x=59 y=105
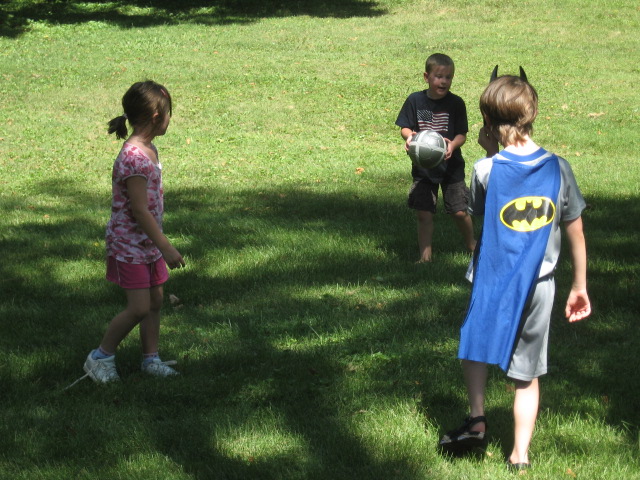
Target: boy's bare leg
x=525 y=411
x=465 y=225
x=425 y=235
x=475 y=378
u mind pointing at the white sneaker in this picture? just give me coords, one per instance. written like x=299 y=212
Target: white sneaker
x=103 y=370
x=158 y=368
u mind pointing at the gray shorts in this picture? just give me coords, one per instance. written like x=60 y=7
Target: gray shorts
x=423 y=195
x=529 y=359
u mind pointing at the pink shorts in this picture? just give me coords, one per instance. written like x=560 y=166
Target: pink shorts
x=134 y=276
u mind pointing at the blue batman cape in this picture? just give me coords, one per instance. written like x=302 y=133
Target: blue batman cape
x=519 y=209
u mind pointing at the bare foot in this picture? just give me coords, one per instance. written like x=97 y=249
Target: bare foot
x=425 y=254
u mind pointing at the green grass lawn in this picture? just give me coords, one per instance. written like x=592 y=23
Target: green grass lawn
x=309 y=343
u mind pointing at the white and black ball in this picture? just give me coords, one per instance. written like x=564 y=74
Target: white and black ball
x=427 y=149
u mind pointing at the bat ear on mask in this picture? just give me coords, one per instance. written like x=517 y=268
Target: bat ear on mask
x=494 y=74
x=523 y=76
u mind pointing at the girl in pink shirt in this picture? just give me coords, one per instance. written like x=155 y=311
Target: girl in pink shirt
x=138 y=253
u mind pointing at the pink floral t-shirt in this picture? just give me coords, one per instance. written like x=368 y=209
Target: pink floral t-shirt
x=126 y=241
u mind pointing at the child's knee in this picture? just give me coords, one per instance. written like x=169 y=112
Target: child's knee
x=139 y=311
x=424 y=217
x=155 y=307
x=156 y=297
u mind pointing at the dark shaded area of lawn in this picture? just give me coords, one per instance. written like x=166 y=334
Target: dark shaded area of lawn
x=307 y=390
x=15 y=16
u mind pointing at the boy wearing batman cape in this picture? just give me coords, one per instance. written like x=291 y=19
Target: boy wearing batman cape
x=523 y=192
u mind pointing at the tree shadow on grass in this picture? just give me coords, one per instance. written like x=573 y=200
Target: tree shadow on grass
x=16 y=16
x=308 y=388
x=591 y=356
x=237 y=386
x=301 y=367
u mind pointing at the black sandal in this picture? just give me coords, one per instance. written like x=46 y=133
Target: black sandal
x=464 y=439
x=516 y=467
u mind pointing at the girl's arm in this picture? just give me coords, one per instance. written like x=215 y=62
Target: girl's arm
x=578 y=304
x=137 y=188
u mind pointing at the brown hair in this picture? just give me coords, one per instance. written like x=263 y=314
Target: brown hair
x=140 y=103
x=438 y=59
x=510 y=105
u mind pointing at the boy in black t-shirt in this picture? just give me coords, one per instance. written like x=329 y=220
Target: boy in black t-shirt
x=440 y=110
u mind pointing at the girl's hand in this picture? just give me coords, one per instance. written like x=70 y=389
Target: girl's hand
x=173 y=258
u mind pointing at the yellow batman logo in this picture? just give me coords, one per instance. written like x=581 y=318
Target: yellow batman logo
x=526 y=214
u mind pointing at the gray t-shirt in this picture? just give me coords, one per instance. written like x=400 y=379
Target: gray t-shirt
x=569 y=206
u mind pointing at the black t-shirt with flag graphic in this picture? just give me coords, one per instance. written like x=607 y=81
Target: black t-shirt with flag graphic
x=448 y=117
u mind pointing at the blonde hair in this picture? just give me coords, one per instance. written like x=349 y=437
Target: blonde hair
x=510 y=105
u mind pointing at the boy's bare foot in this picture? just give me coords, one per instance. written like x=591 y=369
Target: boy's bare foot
x=425 y=255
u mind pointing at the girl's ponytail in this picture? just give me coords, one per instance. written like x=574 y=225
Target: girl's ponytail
x=140 y=103
x=119 y=126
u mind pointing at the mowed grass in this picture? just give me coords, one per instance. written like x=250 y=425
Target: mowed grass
x=309 y=343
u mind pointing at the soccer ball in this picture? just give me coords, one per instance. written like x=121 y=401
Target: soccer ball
x=427 y=149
